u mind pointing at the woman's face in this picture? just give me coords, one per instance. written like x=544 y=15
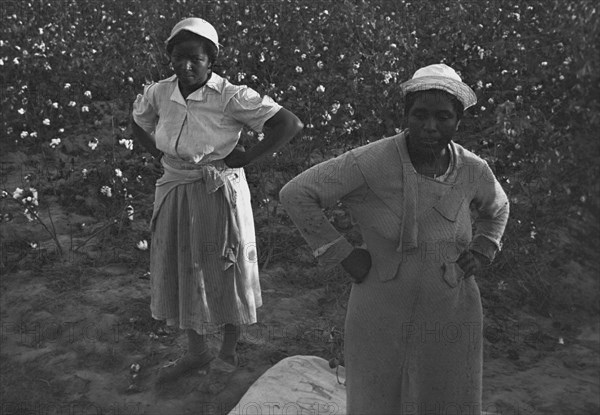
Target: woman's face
x=432 y=122
x=190 y=63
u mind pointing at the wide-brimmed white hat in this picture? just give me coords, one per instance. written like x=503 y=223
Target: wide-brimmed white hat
x=440 y=76
x=198 y=26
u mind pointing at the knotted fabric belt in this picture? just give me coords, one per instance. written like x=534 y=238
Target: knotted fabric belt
x=216 y=175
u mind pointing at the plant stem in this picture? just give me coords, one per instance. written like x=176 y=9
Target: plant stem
x=53 y=231
x=39 y=220
x=102 y=229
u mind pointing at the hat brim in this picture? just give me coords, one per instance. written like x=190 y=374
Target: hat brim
x=218 y=45
x=460 y=90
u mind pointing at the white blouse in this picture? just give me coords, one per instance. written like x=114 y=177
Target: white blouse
x=207 y=125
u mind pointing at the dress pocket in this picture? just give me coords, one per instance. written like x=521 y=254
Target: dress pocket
x=449 y=205
x=452 y=273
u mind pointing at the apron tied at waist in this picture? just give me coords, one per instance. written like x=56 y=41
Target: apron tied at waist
x=216 y=176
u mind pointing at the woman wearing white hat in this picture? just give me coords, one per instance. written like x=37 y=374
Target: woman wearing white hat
x=203 y=265
x=413 y=335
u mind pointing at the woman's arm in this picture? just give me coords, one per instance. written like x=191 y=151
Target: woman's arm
x=145 y=113
x=492 y=206
x=304 y=198
x=279 y=130
x=146 y=139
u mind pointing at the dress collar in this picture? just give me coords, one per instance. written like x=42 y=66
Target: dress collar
x=215 y=83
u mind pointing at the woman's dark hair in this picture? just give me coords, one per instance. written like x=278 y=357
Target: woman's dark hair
x=410 y=98
x=184 y=35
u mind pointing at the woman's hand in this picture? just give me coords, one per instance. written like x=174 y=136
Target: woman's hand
x=156 y=165
x=357 y=264
x=279 y=130
x=471 y=262
x=146 y=139
x=237 y=158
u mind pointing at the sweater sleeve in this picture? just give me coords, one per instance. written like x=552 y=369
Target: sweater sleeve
x=492 y=206
x=305 y=197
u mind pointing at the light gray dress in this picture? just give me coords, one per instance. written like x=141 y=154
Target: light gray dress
x=413 y=335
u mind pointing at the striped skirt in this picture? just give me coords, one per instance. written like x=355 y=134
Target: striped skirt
x=191 y=287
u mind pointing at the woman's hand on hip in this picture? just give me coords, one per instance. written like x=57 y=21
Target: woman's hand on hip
x=471 y=262
x=237 y=158
x=357 y=264
x=279 y=130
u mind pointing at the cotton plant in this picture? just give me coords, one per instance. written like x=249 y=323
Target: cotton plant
x=28 y=200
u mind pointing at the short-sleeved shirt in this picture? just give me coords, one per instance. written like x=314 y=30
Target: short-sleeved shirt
x=207 y=125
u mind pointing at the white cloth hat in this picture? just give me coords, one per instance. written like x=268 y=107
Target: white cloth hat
x=440 y=76
x=198 y=26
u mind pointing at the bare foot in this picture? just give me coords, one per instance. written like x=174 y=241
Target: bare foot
x=186 y=364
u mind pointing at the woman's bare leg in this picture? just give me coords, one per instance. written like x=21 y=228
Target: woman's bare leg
x=231 y=335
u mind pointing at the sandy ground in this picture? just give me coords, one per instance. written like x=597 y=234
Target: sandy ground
x=65 y=347
x=72 y=330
